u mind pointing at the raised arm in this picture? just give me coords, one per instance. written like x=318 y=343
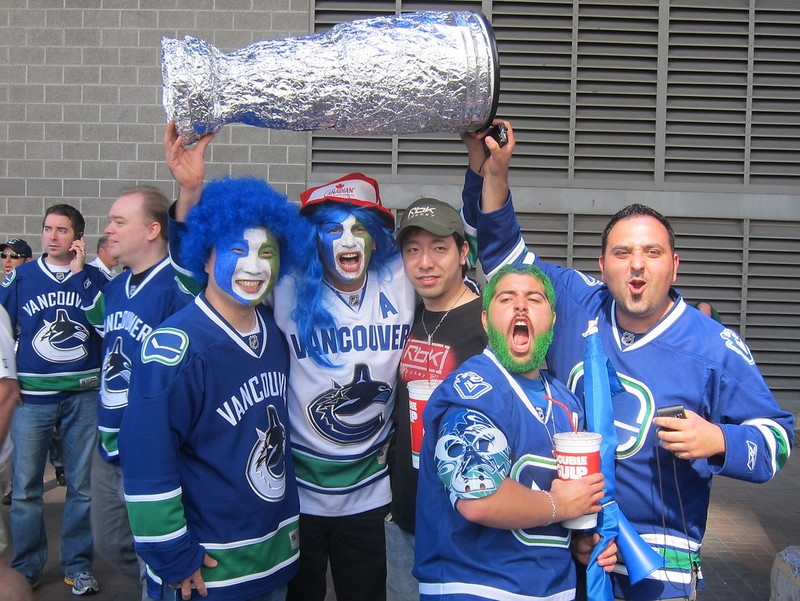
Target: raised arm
x=188 y=168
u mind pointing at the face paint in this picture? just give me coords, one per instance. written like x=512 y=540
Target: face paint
x=346 y=249
x=247 y=266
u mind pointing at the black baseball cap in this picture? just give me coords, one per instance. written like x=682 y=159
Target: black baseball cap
x=432 y=215
x=19 y=246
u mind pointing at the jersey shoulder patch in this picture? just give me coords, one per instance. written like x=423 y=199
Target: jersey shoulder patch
x=166 y=346
x=12 y=275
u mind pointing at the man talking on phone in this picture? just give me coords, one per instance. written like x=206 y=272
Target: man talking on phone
x=58 y=364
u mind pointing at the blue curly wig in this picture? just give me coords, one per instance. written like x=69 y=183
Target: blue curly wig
x=232 y=205
x=310 y=314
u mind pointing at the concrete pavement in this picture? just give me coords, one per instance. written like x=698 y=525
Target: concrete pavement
x=748 y=525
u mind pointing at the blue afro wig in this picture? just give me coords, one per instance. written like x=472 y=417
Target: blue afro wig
x=232 y=205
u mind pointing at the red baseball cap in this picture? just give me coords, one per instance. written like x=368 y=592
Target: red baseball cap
x=355 y=189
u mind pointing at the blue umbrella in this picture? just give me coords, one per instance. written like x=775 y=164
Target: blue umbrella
x=601 y=384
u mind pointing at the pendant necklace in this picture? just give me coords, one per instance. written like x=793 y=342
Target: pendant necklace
x=424 y=327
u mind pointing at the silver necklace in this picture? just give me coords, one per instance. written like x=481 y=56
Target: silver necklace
x=424 y=327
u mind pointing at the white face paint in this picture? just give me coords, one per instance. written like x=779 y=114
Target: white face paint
x=245 y=266
x=346 y=249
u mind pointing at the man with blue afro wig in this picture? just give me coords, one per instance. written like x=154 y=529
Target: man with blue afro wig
x=346 y=313
x=209 y=478
x=228 y=207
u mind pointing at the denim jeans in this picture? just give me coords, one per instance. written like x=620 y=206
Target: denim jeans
x=112 y=531
x=400 y=582
x=31 y=430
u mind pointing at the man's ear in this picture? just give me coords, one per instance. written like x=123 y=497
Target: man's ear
x=485 y=321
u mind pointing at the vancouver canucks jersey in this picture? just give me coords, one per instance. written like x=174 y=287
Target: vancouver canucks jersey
x=459 y=560
x=341 y=416
x=687 y=359
x=204 y=448
x=58 y=351
x=125 y=315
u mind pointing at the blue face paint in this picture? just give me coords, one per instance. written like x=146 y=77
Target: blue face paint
x=345 y=249
x=247 y=265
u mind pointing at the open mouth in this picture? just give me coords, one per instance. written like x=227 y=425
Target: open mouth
x=249 y=286
x=520 y=336
x=349 y=262
x=636 y=286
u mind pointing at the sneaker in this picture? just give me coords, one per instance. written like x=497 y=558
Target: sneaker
x=83 y=583
x=60 y=478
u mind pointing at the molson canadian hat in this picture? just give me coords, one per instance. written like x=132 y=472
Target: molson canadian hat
x=355 y=189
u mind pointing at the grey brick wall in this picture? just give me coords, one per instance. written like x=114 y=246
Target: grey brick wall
x=80 y=102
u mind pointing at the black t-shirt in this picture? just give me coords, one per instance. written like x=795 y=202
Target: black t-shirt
x=459 y=337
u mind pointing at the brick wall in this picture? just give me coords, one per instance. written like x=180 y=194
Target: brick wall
x=80 y=102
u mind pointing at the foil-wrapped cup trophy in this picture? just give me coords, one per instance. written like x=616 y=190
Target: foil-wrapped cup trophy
x=427 y=71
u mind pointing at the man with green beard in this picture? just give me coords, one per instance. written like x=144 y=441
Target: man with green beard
x=490 y=504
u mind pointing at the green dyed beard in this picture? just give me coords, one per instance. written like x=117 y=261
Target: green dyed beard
x=499 y=347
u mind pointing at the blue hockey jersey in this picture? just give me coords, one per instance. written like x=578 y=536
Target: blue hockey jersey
x=58 y=351
x=687 y=359
x=459 y=560
x=125 y=315
x=204 y=446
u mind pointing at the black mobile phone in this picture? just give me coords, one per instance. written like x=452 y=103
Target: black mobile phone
x=672 y=411
x=499 y=132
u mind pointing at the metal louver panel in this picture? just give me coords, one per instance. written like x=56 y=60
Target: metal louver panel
x=749 y=270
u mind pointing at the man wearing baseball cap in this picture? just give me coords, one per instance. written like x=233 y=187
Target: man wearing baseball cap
x=446 y=331
x=14 y=253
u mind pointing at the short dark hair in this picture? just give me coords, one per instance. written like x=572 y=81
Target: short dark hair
x=156 y=205
x=637 y=210
x=457 y=238
x=74 y=215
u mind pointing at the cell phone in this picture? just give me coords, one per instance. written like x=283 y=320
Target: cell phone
x=499 y=133
x=672 y=411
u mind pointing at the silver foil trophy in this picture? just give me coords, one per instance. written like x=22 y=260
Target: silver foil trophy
x=418 y=72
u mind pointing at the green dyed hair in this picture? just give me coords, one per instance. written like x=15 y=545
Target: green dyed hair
x=491 y=286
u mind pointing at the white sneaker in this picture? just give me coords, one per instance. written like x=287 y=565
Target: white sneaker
x=83 y=583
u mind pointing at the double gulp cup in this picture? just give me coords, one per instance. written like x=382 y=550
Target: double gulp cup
x=419 y=391
x=578 y=455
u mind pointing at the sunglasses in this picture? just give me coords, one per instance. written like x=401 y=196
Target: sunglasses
x=5 y=255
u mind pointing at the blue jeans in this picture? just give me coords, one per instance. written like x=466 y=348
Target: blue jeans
x=31 y=430
x=400 y=582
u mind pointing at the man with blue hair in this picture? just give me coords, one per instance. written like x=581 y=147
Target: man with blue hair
x=204 y=443
x=346 y=316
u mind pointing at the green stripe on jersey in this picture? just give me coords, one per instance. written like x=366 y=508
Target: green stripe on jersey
x=242 y=561
x=336 y=475
x=157 y=517
x=74 y=382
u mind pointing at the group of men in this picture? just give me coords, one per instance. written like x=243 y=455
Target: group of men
x=257 y=430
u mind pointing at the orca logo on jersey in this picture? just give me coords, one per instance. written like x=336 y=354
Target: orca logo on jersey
x=470 y=385
x=116 y=376
x=266 y=466
x=165 y=345
x=351 y=413
x=61 y=340
x=634 y=409
x=737 y=345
